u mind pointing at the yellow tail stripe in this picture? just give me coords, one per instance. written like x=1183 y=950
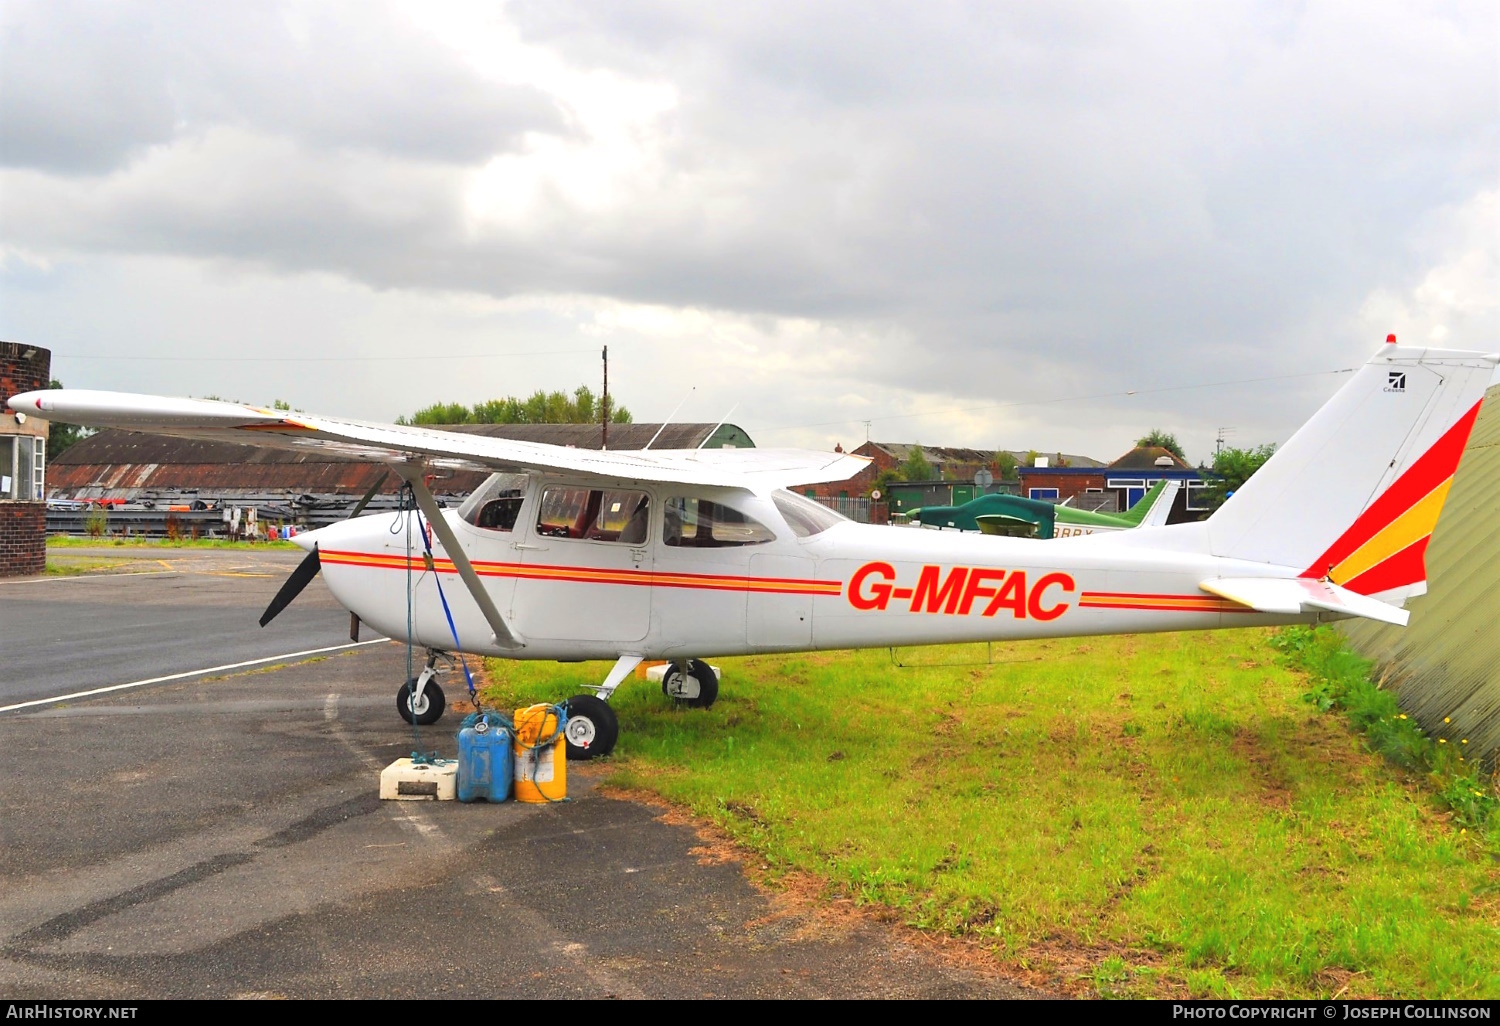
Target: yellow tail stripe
x=1410 y=527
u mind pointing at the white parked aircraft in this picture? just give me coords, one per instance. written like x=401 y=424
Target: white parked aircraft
x=569 y=554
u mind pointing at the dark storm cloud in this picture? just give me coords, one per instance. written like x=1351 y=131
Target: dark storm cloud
x=86 y=87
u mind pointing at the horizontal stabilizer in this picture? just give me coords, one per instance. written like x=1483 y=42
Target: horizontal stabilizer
x=1290 y=596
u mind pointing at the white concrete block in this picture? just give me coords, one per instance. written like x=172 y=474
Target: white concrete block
x=404 y=780
x=657 y=672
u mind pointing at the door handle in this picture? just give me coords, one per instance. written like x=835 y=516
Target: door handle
x=529 y=548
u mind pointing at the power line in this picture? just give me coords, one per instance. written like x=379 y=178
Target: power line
x=1062 y=399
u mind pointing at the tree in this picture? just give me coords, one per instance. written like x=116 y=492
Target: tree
x=915 y=467
x=1232 y=468
x=1006 y=465
x=61 y=436
x=538 y=408
x=883 y=481
x=1157 y=438
x=440 y=413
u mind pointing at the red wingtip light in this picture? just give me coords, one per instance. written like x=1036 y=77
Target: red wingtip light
x=1390 y=340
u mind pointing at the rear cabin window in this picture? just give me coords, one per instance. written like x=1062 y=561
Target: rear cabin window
x=804 y=516
x=496 y=504
x=594 y=514
x=700 y=524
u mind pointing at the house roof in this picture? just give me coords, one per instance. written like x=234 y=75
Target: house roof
x=1144 y=457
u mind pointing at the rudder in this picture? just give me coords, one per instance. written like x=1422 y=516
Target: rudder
x=1355 y=493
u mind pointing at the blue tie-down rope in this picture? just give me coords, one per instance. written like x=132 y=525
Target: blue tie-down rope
x=452 y=628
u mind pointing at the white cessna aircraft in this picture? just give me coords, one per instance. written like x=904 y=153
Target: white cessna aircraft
x=571 y=554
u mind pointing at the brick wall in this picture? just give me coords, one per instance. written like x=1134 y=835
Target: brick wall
x=21 y=373
x=23 y=538
x=1068 y=483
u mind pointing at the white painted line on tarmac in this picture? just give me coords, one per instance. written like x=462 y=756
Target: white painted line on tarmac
x=96 y=575
x=189 y=673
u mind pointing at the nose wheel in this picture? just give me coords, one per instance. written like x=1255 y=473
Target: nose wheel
x=422 y=707
x=420 y=701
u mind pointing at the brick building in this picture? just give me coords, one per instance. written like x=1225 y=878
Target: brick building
x=23 y=463
x=949 y=464
x=1122 y=483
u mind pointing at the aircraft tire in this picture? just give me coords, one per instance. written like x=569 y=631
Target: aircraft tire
x=708 y=684
x=592 y=728
x=432 y=707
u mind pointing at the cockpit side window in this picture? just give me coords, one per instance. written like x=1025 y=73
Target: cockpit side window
x=804 y=516
x=701 y=524
x=496 y=504
x=594 y=514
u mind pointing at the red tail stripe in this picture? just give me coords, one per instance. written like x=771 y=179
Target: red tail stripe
x=1405 y=567
x=1434 y=467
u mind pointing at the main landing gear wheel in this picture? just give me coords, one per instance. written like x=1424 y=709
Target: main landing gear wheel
x=428 y=706
x=592 y=728
x=698 y=688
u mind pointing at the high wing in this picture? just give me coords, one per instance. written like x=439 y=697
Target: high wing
x=755 y=469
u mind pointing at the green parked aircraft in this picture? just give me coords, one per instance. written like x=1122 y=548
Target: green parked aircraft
x=1013 y=515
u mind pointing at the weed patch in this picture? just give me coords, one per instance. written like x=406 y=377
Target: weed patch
x=1341 y=680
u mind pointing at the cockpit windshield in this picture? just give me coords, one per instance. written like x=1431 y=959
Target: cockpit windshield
x=804 y=516
x=496 y=504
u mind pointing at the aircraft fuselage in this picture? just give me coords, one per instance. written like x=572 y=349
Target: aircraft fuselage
x=847 y=586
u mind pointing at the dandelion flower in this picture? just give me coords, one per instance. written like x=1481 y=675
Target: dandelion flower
x=1442 y=740
x=1447 y=720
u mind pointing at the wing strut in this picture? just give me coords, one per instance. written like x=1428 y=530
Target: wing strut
x=411 y=473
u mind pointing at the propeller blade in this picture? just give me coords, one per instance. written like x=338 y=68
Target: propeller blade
x=301 y=578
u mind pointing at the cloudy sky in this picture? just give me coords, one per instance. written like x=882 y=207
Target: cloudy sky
x=1042 y=225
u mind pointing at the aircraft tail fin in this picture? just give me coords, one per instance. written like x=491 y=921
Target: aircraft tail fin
x=1155 y=506
x=1352 y=498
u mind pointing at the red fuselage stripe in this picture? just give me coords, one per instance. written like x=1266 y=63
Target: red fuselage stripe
x=591 y=575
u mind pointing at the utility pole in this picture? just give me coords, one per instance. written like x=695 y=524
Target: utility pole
x=604 y=406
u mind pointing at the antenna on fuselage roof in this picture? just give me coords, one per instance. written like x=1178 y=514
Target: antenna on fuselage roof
x=669 y=419
x=718 y=425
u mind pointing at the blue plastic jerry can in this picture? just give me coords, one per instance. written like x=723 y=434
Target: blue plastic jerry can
x=484 y=765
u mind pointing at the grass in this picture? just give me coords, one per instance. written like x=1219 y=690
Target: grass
x=68 y=542
x=1146 y=815
x=73 y=566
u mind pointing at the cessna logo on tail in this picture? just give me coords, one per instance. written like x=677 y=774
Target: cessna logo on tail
x=1395 y=381
x=959 y=593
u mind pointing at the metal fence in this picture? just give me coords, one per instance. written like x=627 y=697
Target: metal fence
x=169 y=514
x=856 y=509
